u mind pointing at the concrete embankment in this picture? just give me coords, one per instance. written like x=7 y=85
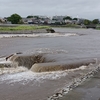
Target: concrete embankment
x=88 y=90
x=78 y=77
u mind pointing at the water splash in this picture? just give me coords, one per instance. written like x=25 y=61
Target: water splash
x=38 y=35
x=27 y=76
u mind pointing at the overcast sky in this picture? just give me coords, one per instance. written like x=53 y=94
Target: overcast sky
x=76 y=8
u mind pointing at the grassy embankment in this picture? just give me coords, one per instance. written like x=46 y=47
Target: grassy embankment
x=98 y=26
x=68 y=26
x=22 y=28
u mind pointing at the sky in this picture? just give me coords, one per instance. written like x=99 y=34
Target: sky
x=89 y=9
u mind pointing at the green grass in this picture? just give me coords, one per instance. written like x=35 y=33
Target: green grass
x=68 y=26
x=22 y=28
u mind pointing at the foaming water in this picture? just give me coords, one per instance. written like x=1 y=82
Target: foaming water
x=2 y=59
x=8 y=67
x=25 y=77
x=12 y=70
x=38 y=35
x=46 y=51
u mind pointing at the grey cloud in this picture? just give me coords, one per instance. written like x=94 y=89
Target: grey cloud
x=82 y=8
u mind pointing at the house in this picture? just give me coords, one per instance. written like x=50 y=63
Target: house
x=27 y=20
x=44 y=20
x=37 y=20
x=67 y=21
x=3 y=20
x=80 y=21
x=58 y=19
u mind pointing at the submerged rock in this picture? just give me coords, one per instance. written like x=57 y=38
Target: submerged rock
x=50 y=30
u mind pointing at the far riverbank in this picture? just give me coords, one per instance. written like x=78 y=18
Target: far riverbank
x=24 y=29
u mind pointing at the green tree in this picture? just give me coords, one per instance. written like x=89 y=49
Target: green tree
x=37 y=17
x=87 y=22
x=95 y=21
x=29 y=16
x=14 y=18
x=68 y=17
x=75 y=18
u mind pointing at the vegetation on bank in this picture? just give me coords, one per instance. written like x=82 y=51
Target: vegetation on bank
x=22 y=27
x=69 y=26
x=37 y=22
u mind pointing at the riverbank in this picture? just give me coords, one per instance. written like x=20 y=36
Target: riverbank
x=68 y=26
x=23 y=29
x=88 y=90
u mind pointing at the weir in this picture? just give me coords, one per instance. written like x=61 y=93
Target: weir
x=60 y=66
x=27 y=60
x=42 y=63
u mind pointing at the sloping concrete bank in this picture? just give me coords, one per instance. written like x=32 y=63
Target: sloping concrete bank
x=74 y=79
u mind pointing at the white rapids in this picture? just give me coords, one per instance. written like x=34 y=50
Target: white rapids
x=37 y=35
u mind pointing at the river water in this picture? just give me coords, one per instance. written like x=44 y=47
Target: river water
x=66 y=45
x=75 y=43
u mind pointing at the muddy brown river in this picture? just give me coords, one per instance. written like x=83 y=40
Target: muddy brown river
x=66 y=47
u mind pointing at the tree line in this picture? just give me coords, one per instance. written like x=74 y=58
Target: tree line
x=16 y=19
